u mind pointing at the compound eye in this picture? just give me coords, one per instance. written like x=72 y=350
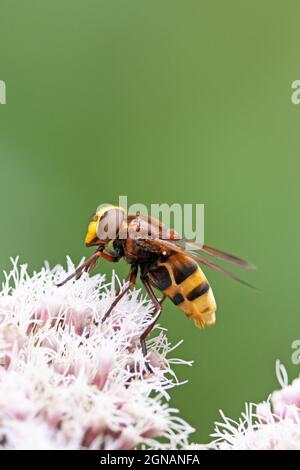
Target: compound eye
x=110 y=224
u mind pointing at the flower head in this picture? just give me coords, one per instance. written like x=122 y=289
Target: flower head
x=271 y=425
x=69 y=381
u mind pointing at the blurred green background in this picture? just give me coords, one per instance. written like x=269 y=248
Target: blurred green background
x=163 y=101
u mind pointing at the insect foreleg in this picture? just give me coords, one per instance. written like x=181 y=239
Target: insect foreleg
x=89 y=264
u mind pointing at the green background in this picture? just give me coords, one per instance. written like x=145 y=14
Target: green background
x=164 y=101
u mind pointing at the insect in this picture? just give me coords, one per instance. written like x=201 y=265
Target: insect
x=164 y=260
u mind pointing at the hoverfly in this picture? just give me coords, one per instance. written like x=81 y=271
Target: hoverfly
x=165 y=261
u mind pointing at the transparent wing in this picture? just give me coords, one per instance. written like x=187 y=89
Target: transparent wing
x=221 y=255
x=200 y=259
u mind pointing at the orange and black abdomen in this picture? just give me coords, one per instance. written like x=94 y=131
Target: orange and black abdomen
x=181 y=279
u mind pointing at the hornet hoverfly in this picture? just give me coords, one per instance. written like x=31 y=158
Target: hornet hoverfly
x=165 y=261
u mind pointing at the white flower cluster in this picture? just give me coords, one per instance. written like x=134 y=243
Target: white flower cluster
x=271 y=425
x=67 y=381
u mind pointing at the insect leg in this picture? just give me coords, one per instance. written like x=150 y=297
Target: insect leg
x=132 y=281
x=127 y=278
x=89 y=264
x=156 y=314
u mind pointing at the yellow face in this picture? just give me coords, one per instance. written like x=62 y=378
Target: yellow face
x=91 y=234
x=103 y=215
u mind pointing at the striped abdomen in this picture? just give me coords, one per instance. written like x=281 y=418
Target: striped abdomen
x=181 y=279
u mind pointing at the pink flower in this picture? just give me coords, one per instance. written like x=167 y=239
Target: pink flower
x=69 y=381
x=271 y=425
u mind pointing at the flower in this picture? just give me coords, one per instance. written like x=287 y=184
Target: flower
x=251 y=433
x=286 y=402
x=271 y=425
x=67 y=381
